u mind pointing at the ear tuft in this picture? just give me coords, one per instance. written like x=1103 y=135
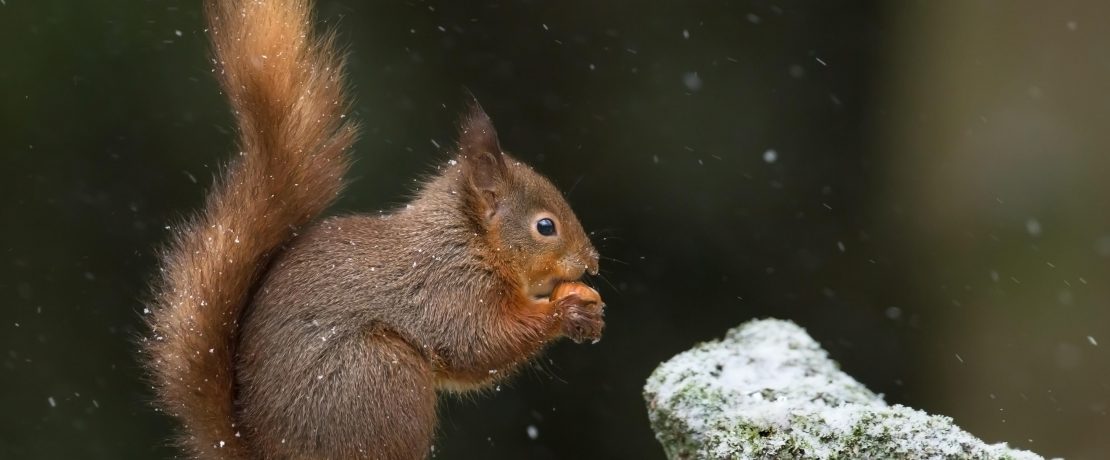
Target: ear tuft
x=476 y=132
x=481 y=158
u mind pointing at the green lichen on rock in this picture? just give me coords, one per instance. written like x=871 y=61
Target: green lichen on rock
x=768 y=390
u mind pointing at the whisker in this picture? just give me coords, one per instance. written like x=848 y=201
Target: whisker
x=547 y=369
x=613 y=238
x=576 y=182
x=613 y=259
x=610 y=283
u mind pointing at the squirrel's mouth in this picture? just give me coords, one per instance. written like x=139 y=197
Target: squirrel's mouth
x=541 y=289
x=541 y=292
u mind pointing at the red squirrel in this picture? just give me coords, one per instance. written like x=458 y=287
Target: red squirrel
x=277 y=335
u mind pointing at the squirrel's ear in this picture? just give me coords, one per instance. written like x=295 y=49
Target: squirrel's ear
x=481 y=158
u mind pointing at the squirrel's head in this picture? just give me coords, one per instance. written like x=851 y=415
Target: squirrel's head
x=520 y=214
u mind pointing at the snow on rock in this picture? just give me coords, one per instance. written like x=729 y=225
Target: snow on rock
x=768 y=390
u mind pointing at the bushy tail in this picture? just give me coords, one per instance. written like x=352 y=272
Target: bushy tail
x=286 y=88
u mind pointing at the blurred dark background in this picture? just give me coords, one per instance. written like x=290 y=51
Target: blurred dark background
x=922 y=185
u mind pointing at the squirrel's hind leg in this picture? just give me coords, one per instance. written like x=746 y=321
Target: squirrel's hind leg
x=371 y=398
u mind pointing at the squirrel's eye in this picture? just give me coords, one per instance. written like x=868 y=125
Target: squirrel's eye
x=545 y=226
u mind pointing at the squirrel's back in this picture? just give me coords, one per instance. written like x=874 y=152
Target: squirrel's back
x=286 y=88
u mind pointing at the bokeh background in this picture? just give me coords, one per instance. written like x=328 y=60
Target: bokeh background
x=922 y=185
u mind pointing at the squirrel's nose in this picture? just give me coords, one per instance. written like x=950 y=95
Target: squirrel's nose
x=592 y=261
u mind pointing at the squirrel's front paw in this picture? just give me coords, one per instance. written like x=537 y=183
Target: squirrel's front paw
x=582 y=311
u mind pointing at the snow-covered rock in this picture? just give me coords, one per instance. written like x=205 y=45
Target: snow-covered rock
x=768 y=390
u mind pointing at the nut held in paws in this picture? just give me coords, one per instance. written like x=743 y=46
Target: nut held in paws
x=568 y=288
